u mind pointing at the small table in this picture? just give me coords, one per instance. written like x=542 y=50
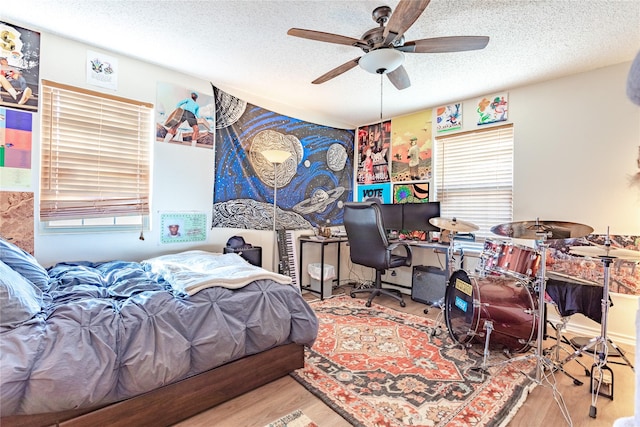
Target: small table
x=324 y=242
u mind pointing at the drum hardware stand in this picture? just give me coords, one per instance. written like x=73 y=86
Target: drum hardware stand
x=542 y=362
x=451 y=263
x=557 y=347
x=556 y=351
x=600 y=343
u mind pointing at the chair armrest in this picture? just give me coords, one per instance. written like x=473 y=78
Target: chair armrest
x=406 y=246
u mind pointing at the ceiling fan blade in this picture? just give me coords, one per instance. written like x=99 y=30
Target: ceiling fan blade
x=399 y=78
x=405 y=14
x=445 y=44
x=324 y=37
x=336 y=71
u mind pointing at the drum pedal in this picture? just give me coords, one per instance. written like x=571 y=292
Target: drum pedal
x=604 y=385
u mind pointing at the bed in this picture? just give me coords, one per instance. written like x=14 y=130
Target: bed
x=133 y=343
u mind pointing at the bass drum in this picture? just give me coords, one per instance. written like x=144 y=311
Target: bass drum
x=471 y=301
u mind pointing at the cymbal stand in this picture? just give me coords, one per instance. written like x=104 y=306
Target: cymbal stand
x=451 y=267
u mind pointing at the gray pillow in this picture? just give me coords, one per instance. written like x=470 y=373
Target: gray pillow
x=20 y=299
x=24 y=263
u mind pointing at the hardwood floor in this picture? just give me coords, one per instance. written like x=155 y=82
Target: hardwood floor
x=274 y=400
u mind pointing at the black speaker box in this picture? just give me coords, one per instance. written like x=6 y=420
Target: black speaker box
x=252 y=254
x=428 y=284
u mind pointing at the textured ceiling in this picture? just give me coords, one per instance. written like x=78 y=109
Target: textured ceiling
x=243 y=46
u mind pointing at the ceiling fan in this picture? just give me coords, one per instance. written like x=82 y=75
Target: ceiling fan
x=384 y=46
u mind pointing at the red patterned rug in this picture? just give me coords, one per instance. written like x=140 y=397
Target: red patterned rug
x=381 y=367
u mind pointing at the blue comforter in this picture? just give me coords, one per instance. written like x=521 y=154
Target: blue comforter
x=113 y=330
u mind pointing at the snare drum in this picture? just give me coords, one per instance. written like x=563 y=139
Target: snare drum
x=519 y=261
x=507 y=302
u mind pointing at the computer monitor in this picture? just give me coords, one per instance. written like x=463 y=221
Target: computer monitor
x=416 y=216
x=392 y=216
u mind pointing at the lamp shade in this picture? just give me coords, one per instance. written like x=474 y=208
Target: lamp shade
x=381 y=61
x=276 y=156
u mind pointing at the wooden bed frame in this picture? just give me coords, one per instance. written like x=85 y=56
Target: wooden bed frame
x=183 y=399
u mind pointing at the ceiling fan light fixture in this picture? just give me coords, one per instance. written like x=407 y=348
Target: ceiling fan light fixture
x=381 y=61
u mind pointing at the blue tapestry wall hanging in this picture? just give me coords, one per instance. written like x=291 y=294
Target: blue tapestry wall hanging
x=312 y=184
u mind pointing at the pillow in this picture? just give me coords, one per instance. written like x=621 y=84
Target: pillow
x=20 y=300
x=24 y=263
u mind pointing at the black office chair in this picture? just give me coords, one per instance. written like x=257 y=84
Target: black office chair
x=369 y=246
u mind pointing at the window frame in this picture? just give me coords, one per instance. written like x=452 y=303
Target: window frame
x=95 y=159
x=488 y=193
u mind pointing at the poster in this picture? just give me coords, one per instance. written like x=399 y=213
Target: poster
x=15 y=149
x=449 y=117
x=102 y=70
x=184 y=116
x=493 y=109
x=181 y=227
x=378 y=192
x=411 y=147
x=373 y=149
x=19 y=67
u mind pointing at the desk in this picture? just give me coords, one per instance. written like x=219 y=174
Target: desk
x=324 y=242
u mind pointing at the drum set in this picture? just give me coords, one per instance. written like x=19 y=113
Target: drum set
x=503 y=302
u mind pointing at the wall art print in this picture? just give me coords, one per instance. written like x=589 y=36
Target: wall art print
x=411 y=192
x=624 y=275
x=449 y=118
x=184 y=116
x=19 y=67
x=493 y=109
x=102 y=70
x=15 y=149
x=16 y=218
x=373 y=151
x=182 y=227
x=312 y=184
x=411 y=147
x=378 y=192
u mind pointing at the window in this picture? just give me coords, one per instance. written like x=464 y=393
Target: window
x=95 y=157
x=474 y=177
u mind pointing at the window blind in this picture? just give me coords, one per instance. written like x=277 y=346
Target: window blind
x=95 y=154
x=474 y=177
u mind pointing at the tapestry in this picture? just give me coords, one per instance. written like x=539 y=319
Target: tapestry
x=310 y=187
x=380 y=367
x=624 y=275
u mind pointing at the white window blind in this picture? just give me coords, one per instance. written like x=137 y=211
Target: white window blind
x=95 y=154
x=474 y=177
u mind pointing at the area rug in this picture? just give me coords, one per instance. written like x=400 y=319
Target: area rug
x=380 y=367
x=295 y=419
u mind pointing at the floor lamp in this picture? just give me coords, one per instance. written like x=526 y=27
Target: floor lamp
x=275 y=157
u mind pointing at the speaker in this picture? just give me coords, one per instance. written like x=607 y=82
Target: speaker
x=252 y=254
x=428 y=284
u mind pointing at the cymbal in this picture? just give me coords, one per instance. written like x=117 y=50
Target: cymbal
x=537 y=229
x=605 y=252
x=453 y=224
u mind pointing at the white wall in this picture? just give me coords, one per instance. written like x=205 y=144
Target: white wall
x=576 y=145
